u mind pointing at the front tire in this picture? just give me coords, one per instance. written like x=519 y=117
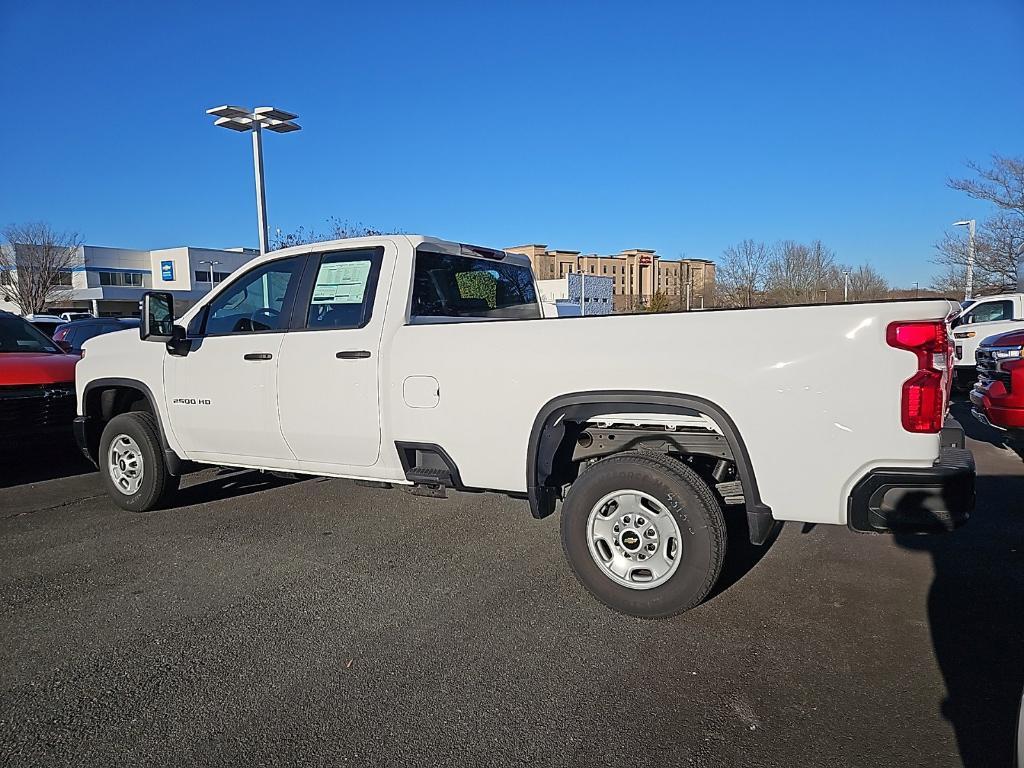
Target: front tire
x=644 y=534
x=132 y=463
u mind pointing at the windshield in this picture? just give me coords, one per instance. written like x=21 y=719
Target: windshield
x=18 y=335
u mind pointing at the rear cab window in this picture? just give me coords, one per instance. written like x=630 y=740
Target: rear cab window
x=451 y=286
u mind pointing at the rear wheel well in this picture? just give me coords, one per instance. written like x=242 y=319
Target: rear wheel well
x=584 y=443
x=555 y=457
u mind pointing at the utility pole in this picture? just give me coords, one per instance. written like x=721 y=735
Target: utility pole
x=583 y=293
x=969 y=287
x=243 y=119
x=917 y=290
x=846 y=285
x=211 y=263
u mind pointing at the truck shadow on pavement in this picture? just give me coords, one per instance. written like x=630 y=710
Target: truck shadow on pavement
x=36 y=462
x=740 y=556
x=228 y=483
x=975 y=613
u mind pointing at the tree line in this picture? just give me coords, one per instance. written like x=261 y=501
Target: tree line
x=999 y=241
x=752 y=273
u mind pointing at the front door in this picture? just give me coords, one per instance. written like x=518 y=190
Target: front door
x=327 y=379
x=222 y=395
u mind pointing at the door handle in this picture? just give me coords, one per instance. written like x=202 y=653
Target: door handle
x=257 y=356
x=353 y=354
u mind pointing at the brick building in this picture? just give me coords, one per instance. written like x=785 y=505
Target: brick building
x=637 y=274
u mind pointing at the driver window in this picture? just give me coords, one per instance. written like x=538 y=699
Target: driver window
x=256 y=301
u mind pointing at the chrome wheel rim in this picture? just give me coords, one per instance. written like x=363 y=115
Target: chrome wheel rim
x=634 y=539
x=124 y=463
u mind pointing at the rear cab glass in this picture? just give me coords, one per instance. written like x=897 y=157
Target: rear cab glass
x=452 y=286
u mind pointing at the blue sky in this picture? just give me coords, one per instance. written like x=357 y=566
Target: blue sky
x=679 y=126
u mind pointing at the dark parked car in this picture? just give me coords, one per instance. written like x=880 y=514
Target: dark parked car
x=71 y=336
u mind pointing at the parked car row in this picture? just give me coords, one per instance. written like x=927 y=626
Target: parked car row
x=38 y=355
x=988 y=339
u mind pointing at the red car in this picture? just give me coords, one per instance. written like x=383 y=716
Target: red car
x=998 y=397
x=37 y=382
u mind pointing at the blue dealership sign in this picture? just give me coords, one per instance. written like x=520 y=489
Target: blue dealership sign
x=167 y=271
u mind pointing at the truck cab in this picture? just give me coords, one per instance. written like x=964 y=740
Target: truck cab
x=984 y=317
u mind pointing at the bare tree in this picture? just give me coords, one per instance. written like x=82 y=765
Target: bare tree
x=1002 y=184
x=998 y=248
x=752 y=274
x=999 y=243
x=36 y=262
x=336 y=230
x=799 y=273
x=740 y=277
x=866 y=284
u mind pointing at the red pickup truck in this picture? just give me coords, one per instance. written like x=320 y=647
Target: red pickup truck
x=37 y=382
x=998 y=396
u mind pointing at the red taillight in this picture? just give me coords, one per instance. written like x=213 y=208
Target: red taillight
x=923 y=404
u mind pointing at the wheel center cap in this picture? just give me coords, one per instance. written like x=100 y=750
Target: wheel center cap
x=630 y=540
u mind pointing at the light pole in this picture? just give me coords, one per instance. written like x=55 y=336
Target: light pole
x=846 y=285
x=243 y=119
x=970 y=224
x=917 y=290
x=212 y=264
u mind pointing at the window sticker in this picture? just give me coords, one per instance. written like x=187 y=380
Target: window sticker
x=341 y=282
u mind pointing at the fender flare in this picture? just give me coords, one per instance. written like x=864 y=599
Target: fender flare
x=174 y=462
x=548 y=431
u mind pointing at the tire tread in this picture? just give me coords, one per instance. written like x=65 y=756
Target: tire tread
x=696 y=484
x=164 y=483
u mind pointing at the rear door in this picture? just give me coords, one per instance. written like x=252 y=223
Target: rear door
x=328 y=373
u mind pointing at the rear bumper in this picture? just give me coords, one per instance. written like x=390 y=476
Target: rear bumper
x=932 y=499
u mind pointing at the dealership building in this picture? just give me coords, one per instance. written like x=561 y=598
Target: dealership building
x=109 y=282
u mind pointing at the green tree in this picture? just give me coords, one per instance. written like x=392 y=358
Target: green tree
x=659 y=303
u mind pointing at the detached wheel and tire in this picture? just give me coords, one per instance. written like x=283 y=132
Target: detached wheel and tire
x=132 y=463
x=644 y=534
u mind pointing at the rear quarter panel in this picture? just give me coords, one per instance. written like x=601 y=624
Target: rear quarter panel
x=814 y=391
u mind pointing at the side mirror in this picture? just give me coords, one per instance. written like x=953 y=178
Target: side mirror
x=157 y=322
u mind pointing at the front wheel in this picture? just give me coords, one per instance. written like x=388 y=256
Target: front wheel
x=132 y=463
x=644 y=534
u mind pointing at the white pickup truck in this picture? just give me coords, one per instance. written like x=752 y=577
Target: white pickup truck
x=407 y=360
x=982 y=318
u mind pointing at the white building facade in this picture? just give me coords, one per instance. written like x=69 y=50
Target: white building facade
x=590 y=294
x=109 y=282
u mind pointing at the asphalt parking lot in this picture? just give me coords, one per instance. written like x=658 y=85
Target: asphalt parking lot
x=267 y=622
